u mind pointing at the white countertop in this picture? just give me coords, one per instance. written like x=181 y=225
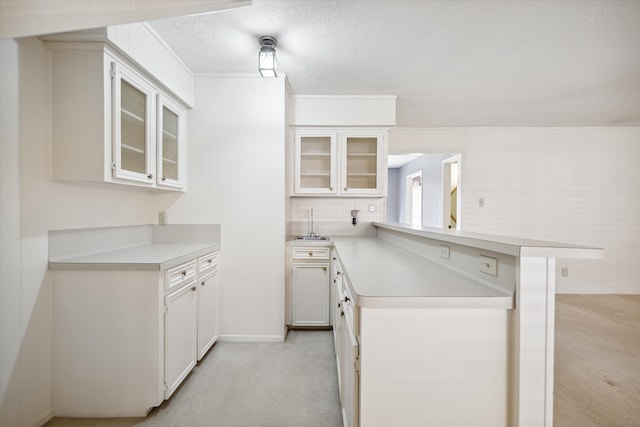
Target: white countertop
x=501 y=244
x=383 y=275
x=155 y=256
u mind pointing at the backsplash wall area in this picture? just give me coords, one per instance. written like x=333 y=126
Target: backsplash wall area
x=332 y=216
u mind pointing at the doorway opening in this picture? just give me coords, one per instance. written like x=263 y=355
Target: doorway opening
x=451 y=192
x=414 y=198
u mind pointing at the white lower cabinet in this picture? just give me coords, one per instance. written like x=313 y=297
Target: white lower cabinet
x=350 y=376
x=180 y=329
x=124 y=340
x=207 y=313
x=310 y=295
x=310 y=290
x=415 y=366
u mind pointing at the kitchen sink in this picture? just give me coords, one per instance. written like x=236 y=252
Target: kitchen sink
x=311 y=238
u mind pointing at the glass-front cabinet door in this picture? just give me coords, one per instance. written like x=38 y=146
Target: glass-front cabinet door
x=170 y=144
x=133 y=132
x=315 y=163
x=362 y=163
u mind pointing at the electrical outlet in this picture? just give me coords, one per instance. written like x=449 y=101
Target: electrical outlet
x=489 y=265
x=444 y=252
x=162 y=218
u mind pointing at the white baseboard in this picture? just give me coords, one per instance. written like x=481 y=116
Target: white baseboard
x=251 y=338
x=42 y=419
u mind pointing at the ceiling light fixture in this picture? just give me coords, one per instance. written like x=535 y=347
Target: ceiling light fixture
x=267 y=56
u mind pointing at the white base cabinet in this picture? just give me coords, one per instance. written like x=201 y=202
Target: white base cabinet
x=207 y=302
x=309 y=287
x=311 y=294
x=180 y=330
x=420 y=366
x=123 y=341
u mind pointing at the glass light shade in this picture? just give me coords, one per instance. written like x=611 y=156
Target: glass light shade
x=267 y=62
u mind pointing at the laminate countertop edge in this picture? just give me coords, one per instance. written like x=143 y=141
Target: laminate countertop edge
x=148 y=257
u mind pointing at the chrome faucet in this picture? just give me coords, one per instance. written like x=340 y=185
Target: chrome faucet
x=312 y=233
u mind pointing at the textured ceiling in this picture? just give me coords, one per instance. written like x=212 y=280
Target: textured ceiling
x=450 y=63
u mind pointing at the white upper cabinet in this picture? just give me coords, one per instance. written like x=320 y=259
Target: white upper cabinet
x=340 y=162
x=134 y=136
x=113 y=122
x=315 y=165
x=363 y=162
x=171 y=143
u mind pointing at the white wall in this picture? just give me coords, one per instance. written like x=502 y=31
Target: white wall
x=27 y=215
x=236 y=179
x=573 y=185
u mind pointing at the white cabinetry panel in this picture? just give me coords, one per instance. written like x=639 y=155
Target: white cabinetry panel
x=207 y=312
x=310 y=294
x=180 y=328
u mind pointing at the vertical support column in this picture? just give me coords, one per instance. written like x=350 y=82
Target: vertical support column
x=533 y=343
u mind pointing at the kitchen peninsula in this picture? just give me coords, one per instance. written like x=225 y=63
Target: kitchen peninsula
x=445 y=328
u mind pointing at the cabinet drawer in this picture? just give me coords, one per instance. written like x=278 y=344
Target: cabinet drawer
x=310 y=253
x=180 y=274
x=208 y=262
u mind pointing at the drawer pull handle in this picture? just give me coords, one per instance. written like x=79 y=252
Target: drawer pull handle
x=339 y=305
x=346 y=299
x=150 y=176
x=210 y=261
x=194 y=288
x=310 y=253
x=341 y=313
x=202 y=283
x=324 y=268
x=184 y=273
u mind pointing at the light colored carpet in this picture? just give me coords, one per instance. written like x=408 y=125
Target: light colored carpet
x=597 y=361
x=290 y=384
x=597 y=376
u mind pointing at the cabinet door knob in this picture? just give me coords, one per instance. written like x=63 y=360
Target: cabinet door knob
x=342 y=313
x=339 y=304
x=183 y=272
x=202 y=283
x=164 y=179
x=346 y=299
x=194 y=288
x=310 y=253
x=150 y=176
x=324 y=268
